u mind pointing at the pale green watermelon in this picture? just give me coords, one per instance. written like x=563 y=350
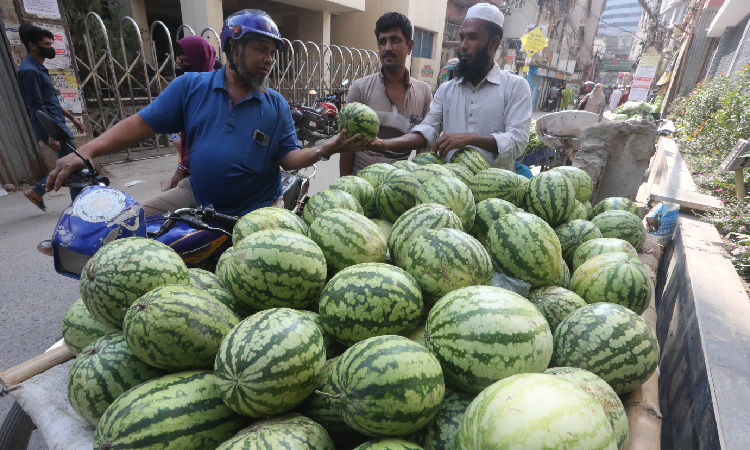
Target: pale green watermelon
x=582 y=182
x=597 y=247
x=287 y=431
x=329 y=199
x=413 y=222
x=397 y=193
x=358 y=118
x=623 y=225
x=347 y=238
x=555 y=303
x=499 y=183
x=488 y=211
x=427 y=158
x=79 y=328
x=618 y=278
x=454 y=194
x=266 y=219
x=472 y=159
x=361 y=189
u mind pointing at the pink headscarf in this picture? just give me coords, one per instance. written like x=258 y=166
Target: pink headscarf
x=200 y=52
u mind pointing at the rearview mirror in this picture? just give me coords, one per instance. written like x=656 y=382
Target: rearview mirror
x=54 y=129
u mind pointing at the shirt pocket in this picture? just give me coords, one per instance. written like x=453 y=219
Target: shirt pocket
x=255 y=155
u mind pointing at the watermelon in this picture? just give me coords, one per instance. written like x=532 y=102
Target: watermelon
x=79 y=328
x=405 y=165
x=333 y=348
x=625 y=282
x=329 y=199
x=523 y=246
x=177 y=327
x=291 y=431
x=203 y=279
x=443 y=260
x=374 y=173
x=369 y=300
x=223 y=264
x=384 y=226
x=440 y=434
x=428 y=171
x=359 y=118
x=266 y=219
x=563 y=278
x=582 y=182
x=535 y=411
x=181 y=411
x=600 y=391
x=387 y=386
x=499 y=183
x=472 y=158
x=396 y=194
x=482 y=334
x=124 y=270
x=239 y=309
x=579 y=212
x=347 y=238
x=555 y=303
x=461 y=172
x=454 y=194
x=550 y=195
x=427 y=158
x=488 y=211
x=601 y=246
x=102 y=372
x=418 y=335
x=389 y=444
x=616 y=203
x=413 y=222
x=276 y=268
x=270 y=362
x=610 y=341
x=574 y=233
x=361 y=189
x=623 y=225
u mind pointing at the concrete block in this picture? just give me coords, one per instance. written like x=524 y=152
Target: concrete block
x=686 y=199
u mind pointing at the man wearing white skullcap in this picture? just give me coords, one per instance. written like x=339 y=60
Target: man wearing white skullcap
x=483 y=107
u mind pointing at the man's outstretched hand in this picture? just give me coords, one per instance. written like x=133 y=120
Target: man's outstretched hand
x=343 y=145
x=63 y=168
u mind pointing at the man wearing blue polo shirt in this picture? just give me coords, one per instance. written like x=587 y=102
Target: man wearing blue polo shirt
x=238 y=131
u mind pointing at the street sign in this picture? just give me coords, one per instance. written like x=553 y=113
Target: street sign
x=534 y=41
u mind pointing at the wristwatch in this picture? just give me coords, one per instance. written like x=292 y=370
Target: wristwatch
x=320 y=155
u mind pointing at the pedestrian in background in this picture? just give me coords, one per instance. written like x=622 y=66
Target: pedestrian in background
x=566 y=98
x=624 y=97
x=615 y=98
x=595 y=100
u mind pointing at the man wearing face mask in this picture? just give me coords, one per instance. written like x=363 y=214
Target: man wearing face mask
x=484 y=107
x=39 y=95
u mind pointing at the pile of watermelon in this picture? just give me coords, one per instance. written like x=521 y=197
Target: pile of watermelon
x=372 y=322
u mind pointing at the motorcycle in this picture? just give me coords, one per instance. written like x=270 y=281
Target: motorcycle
x=100 y=214
x=320 y=121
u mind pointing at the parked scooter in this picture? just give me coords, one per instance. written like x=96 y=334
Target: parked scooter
x=320 y=121
x=101 y=214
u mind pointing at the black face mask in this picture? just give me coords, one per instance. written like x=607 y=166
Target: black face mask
x=47 y=52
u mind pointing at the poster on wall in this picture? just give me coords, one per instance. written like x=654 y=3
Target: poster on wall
x=42 y=8
x=70 y=99
x=644 y=76
x=11 y=32
x=63 y=79
x=73 y=128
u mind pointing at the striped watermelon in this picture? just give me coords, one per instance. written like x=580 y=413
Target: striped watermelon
x=384 y=226
x=601 y=246
x=413 y=222
x=610 y=341
x=427 y=158
x=488 y=211
x=359 y=118
x=523 y=246
x=535 y=411
x=574 y=233
x=581 y=211
x=454 y=194
x=276 y=268
x=102 y=372
x=443 y=260
x=124 y=270
x=397 y=194
x=405 y=165
x=203 y=279
x=387 y=386
x=374 y=173
x=481 y=334
x=223 y=264
x=329 y=199
x=440 y=434
x=582 y=182
x=333 y=348
x=550 y=195
x=177 y=327
x=616 y=203
x=267 y=219
x=428 y=171
x=624 y=282
x=347 y=238
x=623 y=225
x=461 y=172
x=472 y=158
x=79 y=328
x=555 y=303
x=290 y=431
x=270 y=362
x=389 y=444
x=418 y=335
x=563 y=277
x=361 y=189
x=369 y=300
x=499 y=183
x=240 y=309
x=181 y=411
x=600 y=391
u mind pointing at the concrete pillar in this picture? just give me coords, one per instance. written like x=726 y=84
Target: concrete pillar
x=200 y=14
x=315 y=27
x=136 y=9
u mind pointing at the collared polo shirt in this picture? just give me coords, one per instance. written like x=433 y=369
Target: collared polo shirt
x=39 y=95
x=500 y=105
x=234 y=149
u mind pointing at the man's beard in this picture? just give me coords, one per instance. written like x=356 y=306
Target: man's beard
x=256 y=83
x=475 y=68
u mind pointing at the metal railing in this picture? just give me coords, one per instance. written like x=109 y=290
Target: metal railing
x=125 y=83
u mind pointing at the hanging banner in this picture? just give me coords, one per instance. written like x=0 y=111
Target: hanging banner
x=644 y=76
x=534 y=41
x=616 y=65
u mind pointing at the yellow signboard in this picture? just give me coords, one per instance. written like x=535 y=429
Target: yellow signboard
x=534 y=41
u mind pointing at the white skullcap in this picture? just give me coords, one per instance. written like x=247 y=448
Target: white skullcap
x=486 y=11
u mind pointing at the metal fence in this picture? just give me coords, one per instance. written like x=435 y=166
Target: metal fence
x=119 y=84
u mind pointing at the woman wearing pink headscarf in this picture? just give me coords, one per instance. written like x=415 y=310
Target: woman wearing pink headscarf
x=192 y=54
x=595 y=101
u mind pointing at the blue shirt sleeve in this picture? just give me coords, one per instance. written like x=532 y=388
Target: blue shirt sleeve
x=165 y=113
x=288 y=141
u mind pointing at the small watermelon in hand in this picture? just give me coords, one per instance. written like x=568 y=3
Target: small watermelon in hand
x=358 y=118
